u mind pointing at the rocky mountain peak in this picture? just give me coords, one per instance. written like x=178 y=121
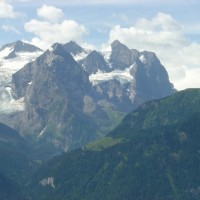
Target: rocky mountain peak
x=17 y=47
x=73 y=48
x=56 y=96
x=94 y=62
x=60 y=53
x=121 y=56
x=22 y=46
x=94 y=53
x=57 y=45
x=147 y=57
x=117 y=43
x=58 y=49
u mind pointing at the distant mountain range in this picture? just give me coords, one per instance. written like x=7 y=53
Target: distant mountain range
x=146 y=133
x=67 y=96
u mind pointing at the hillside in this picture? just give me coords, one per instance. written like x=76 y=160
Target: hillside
x=9 y=190
x=144 y=157
x=16 y=163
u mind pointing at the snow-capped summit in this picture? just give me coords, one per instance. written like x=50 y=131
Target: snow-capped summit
x=76 y=51
x=121 y=72
x=16 y=47
x=13 y=56
x=118 y=44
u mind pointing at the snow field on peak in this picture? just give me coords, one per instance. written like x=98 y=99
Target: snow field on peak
x=5 y=52
x=7 y=68
x=122 y=76
x=80 y=56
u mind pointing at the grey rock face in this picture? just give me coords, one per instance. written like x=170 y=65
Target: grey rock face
x=118 y=95
x=94 y=62
x=73 y=48
x=121 y=56
x=152 y=81
x=22 y=78
x=60 y=108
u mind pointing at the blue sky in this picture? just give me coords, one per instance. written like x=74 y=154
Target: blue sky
x=169 y=28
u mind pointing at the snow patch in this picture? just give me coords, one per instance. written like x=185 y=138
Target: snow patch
x=43 y=130
x=133 y=69
x=5 y=52
x=143 y=59
x=80 y=56
x=122 y=76
x=10 y=106
x=7 y=68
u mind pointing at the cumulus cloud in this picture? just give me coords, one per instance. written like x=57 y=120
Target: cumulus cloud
x=49 y=31
x=10 y=28
x=7 y=10
x=164 y=35
x=50 y=13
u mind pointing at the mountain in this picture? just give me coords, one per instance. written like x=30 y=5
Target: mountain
x=69 y=96
x=152 y=154
x=94 y=62
x=61 y=105
x=13 y=57
x=121 y=56
x=73 y=48
x=125 y=77
x=16 y=47
x=169 y=111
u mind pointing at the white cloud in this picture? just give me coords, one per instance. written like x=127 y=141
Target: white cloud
x=7 y=10
x=86 y=45
x=165 y=36
x=51 y=28
x=46 y=33
x=191 y=78
x=10 y=28
x=50 y=13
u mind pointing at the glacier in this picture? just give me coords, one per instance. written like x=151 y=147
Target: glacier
x=8 y=67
